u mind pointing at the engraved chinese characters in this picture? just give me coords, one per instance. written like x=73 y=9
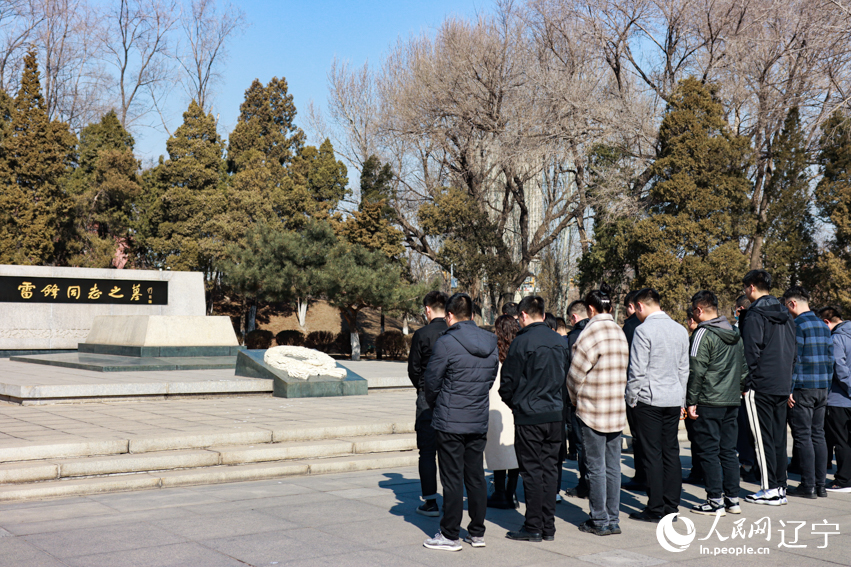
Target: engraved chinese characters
x=23 y=289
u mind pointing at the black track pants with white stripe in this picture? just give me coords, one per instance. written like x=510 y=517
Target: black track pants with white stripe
x=767 y=418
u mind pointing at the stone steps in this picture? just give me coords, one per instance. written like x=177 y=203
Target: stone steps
x=54 y=470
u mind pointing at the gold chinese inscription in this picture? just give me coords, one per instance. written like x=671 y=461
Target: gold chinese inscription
x=50 y=291
x=26 y=289
x=73 y=292
x=116 y=292
x=94 y=292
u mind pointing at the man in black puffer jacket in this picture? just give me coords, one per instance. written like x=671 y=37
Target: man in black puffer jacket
x=531 y=382
x=458 y=379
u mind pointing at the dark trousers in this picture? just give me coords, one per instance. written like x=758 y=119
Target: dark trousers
x=808 y=434
x=696 y=463
x=715 y=432
x=637 y=448
x=581 y=464
x=462 y=465
x=658 y=429
x=767 y=417
x=427 y=446
x=603 y=454
x=537 y=454
x=839 y=424
x=745 y=443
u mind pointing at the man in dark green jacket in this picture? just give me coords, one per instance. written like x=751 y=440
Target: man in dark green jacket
x=717 y=374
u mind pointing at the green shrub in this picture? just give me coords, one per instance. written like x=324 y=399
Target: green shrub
x=290 y=338
x=258 y=339
x=323 y=341
x=392 y=343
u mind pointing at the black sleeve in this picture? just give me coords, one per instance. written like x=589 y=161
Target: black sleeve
x=752 y=338
x=415 y=358
x=512 y=370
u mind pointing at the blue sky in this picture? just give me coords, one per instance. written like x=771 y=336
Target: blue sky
x=298 y=40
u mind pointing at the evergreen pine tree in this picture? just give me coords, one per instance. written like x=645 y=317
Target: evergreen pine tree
x=699 y=207
x=372 y=224
x=833 y=198
x=37 y=158
x=185 y=231
x=316 y=184
x=789 y=251
x=105 y=187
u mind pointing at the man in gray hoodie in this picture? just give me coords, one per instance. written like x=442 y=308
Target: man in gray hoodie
x=838 y=421
x=656 y=389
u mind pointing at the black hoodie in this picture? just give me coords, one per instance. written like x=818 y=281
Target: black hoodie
x=768 y=334
x=459 y=377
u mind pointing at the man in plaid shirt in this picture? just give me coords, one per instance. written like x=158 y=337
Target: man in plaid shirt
x=808 y=400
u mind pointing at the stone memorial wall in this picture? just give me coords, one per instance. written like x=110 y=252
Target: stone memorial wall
x=48 y=308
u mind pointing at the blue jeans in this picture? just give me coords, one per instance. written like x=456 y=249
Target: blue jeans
x=603 y=465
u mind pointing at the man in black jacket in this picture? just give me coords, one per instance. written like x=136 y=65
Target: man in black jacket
x=531 y=385
x=768 y=335
x=638 y=483
x=578 y=315
x=422 y=344
x=458 y=380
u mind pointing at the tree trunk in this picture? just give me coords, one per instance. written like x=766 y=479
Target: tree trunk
x=378 y=353
x=251 y=319
x=301 y=307
x=405 y=328
x=355 y=345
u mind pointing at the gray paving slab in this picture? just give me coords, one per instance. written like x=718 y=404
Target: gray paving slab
x=364 y=518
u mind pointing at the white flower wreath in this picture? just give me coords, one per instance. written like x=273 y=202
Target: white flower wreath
x=302 y=363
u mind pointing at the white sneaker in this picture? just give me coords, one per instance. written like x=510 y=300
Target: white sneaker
x=439 y=541
x=834 y=487
x=781 y=492
x=766 y=497
x=558 y=498
x=475 y=541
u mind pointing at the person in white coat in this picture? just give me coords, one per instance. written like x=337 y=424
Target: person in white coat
x=500 y=455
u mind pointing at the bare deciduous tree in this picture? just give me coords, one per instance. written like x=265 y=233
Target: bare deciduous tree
x=135 y=41
x=18 y=22
x=206 y=31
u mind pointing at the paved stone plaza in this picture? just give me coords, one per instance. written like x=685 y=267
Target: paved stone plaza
x=356 y=518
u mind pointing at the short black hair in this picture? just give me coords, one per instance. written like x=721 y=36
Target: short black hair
x=461 y=306
x=629 y=298
x=550 y=321
x=760 y=279
x=648 y=296
x=510 y=309
x=797 y=293
x=532 y=305
x=832 y=313
x=435 y=300
x=690 y=313
x=577 y=308
x=561 y=323
x=742 y=301
x=705 y=299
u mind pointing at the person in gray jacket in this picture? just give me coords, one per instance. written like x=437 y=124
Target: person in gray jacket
x=656 y=389
x=457 y=381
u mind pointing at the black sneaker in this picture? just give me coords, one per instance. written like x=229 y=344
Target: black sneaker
x=710 y=508
x=615 y=528
x=836 y=487
x=645 y=516
x=430 y=509
x=821 y=492
x=589 y=527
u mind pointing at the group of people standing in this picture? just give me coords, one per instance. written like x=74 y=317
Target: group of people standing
x=509 y=401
